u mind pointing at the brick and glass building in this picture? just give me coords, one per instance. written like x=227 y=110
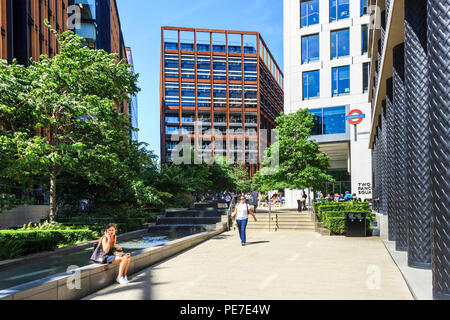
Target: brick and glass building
x=326 y=66
x=409 y=137
x=221 y=90
x=23 y=34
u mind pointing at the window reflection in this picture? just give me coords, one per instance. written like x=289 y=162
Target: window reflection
x=311 y=84
x=340 y=43
x=310 y=48
x=339 y=9
x=341 y=80
x=328 y=120
x=309 y=12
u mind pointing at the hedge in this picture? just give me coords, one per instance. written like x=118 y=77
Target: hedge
x=336 y=224
x=16 y=243
x=99 y=224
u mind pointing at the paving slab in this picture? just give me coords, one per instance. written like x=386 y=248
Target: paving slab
x=274 y=265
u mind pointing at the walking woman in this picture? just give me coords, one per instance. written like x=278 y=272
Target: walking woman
x=115 y=255
x=241 y=212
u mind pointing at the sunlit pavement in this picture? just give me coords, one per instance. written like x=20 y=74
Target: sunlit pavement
x=273 y=265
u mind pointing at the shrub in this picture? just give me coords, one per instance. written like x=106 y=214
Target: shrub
x=15 y=243
x=336 y=225
x=332 y=214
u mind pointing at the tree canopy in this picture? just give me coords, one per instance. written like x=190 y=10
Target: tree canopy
x=294 y=161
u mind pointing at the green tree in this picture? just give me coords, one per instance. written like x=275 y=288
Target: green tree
x=301 y=164
x=71 y=100
x=242 y=181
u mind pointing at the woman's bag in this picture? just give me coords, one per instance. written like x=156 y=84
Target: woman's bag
x=99 y=256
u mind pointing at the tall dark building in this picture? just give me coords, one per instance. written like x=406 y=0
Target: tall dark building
x=219 y=88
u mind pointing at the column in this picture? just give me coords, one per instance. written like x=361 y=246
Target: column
x=439 y=63
x=418 y=189
x=391 y=191
x=399 y=148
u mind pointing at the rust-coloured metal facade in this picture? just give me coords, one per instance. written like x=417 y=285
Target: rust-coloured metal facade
x=23 y=32
x=222 y=87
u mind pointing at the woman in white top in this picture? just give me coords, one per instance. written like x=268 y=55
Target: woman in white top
x=241 y=212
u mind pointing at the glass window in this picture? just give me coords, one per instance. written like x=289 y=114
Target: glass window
x=334 y=120
x=366 y=71
x=318 y=121
x=341 y=80
x=218 y=48
x=171 y=130
x=309 y=12
x=340 y=43
x=363 y=7
x=171 y=46
x=202 y=47
x=311 y=84
x=310 y=48
x=339 y=9
x=187 y=46
x=328 y=120
x=364 y=38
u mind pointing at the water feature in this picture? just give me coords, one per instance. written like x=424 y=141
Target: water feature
x=59 y=262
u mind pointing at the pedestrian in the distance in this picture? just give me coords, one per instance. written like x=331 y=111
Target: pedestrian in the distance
x=241 y=212
x=255 y=195
x=304 y=197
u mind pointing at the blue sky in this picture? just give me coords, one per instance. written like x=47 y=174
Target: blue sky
x=141 y=26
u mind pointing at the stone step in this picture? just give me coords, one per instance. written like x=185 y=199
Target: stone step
x=188 y=220
x=194 y=228
x=193 y=213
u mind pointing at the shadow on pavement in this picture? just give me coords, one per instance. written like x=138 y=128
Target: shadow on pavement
x=256 y=242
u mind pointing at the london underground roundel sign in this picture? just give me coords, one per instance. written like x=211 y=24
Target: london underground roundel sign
x=355 y=116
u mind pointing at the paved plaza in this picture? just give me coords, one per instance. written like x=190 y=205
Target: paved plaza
x=273 y=265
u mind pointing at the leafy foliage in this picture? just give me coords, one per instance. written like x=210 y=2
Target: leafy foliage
x=301 y=164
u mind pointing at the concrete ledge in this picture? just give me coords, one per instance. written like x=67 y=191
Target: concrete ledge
x=14 y=262
x=95 y=277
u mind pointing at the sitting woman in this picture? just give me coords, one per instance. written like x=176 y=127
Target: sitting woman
x=115 y=255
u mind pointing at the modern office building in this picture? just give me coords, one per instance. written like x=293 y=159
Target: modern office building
x=23 y=34
x=133 y=109
x=100 y=26
x=410 y=96
x=220 y=89
x=326 y=66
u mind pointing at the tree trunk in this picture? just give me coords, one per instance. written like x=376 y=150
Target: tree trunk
x=53 y=195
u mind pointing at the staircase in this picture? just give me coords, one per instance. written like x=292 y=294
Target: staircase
x=281 y=220
x=201 y=217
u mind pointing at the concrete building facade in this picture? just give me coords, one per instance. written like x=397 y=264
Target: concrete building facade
x=326 y=67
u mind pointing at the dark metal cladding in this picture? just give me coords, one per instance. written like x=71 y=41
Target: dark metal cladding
x=439 y=63
x=399 y=149
x=390 y=170
x=418 y=133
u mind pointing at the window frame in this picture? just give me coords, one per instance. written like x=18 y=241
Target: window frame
x=307 y=13
x=337 y=7
x=307 y=50
x=308 y=84
x=337 y=87
x=337 y=43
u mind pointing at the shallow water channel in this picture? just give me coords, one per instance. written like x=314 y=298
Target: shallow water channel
x=59 y=262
